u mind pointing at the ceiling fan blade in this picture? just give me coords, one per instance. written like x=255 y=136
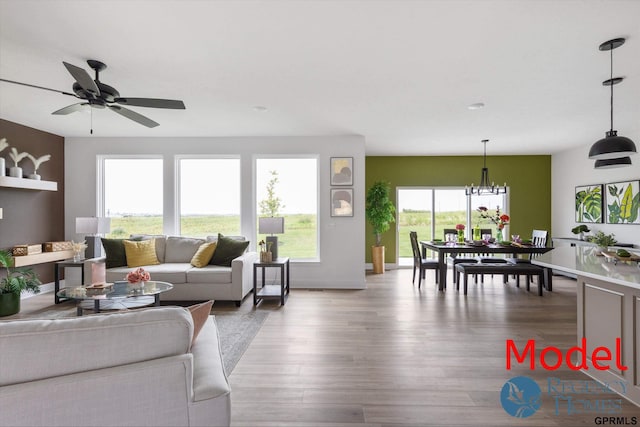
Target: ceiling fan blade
x=71 y=108
x=152 y=103
x=132 y=115
x=83 y=78
x=39 y=87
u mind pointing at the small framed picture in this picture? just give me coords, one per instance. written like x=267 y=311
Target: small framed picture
x=342 y=202
x=622 y=202
x=342 y=171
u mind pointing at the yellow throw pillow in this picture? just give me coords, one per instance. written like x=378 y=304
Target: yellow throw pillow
x=204 y=254
x=200 y=313
x=141 y=253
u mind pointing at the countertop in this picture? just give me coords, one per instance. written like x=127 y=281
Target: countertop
x=583 y=260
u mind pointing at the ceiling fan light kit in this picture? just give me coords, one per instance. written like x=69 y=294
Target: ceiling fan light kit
x=485 y=187
x=612 y=151
x=96 y=94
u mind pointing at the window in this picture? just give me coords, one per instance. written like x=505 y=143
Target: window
x=209 y=196
x=132 y=195
x=415 y=212
x=450 y=210
x=288 y=187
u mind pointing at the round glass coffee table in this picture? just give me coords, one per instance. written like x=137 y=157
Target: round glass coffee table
x=115 y=296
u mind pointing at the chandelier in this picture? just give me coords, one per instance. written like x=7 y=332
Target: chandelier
x=485 y=187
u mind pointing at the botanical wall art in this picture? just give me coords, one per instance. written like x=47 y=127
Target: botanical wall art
x=622 y=202
x=589 y=203
x=342 y=171
x=342 y=202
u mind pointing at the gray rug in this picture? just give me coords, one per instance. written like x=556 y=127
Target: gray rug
x=237 y=330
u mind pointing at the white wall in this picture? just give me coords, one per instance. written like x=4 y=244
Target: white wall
x=572 y=168
x=342 y=239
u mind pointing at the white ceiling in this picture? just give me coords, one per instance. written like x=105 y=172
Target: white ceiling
x=400 y=73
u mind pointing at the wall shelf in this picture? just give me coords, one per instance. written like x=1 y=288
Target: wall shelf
x=28 y=184
x=24 y=260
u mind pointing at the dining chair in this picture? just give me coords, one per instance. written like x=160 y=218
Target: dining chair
x=538 y=238
x=421 y=264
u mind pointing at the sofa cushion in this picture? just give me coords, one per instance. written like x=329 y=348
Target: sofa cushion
x=200 y=313
x=227 y=250
x=209 y=274
x=204 y=254
x=141 y=253
x=123 y=338
x=114 y=251
x=181 y=249
x=174 y=273
x=161 y=241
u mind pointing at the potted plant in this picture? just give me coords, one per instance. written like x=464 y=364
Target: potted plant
x=380 y=213
x=16 y=281
x=581 y=229
x=603 y=241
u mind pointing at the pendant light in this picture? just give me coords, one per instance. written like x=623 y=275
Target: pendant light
x=613 y=163
x=484 y=187
x=612 y=146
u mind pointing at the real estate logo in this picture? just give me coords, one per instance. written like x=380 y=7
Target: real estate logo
x=520 y=397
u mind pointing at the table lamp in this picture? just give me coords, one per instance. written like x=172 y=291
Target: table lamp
x=92 y=227
x=271 y=225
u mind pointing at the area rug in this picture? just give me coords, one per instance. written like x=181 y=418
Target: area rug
x=237 y=330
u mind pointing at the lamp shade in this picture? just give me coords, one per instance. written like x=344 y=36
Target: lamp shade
x=612 y=146
x=86 y=225
x=613 y=163
x=271 y=225
x=104 y=225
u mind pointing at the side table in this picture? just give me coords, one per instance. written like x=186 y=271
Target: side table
x=56 y=274
x=271 y=291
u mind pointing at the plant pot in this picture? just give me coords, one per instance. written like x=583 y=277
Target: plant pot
x=9 y=304
x=377 y=257
x=15 y=172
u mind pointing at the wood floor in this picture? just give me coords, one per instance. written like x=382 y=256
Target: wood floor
x=393 y=355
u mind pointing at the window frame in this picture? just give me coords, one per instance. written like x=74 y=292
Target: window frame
x=255 y=210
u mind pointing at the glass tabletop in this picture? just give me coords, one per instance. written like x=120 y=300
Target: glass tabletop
x=116 y=290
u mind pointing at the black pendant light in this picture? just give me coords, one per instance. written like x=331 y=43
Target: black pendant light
x=612 y=146
x=613 y=163
x=485 y=187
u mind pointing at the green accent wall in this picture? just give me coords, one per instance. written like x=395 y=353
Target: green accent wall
x=528 y=179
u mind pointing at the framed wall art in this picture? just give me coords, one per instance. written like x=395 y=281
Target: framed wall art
x=342 y=171
x=589 y=203
x=622 y=202
x=342 y=202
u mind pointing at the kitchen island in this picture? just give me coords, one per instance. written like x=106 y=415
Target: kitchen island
x=608 y=304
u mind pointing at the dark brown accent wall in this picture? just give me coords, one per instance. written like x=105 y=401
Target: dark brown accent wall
x=30 y=216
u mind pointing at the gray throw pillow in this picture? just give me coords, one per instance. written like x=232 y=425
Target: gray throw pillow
x=227 y=250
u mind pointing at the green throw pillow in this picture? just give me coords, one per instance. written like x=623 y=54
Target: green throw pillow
x=227 y=250
x=116 y=255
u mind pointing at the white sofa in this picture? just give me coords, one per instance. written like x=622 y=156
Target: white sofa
x=133 y=368
x=212 y=282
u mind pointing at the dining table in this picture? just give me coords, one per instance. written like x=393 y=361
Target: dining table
x=454 y=248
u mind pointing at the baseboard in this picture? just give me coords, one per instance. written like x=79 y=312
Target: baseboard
x=387 y=266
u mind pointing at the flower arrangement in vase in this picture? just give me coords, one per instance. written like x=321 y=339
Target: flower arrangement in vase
x=499 y=219
x=460 y=228
x=265 y=251
x=138 y=277
x=78 y=249
x=16 y=171
x=36 y=164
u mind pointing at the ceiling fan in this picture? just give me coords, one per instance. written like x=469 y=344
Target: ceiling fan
x=96 y=94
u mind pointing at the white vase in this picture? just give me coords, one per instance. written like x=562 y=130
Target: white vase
x=34 y=176
x=3 y=167
x=15 y=172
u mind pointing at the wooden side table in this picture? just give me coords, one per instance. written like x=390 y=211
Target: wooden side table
x=56 y=273
x=271 y=291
